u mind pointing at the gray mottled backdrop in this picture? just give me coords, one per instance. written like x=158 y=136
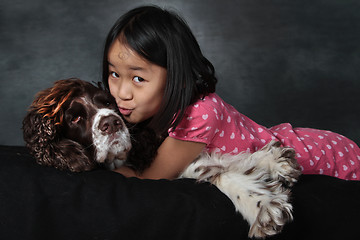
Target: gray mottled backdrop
x=277 y=61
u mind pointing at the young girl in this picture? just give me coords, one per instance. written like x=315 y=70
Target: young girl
x=154 y=68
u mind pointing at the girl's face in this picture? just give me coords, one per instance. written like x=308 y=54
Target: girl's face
x=136 y=84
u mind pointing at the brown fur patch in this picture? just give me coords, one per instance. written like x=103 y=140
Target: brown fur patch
x=250 y=171
x=49 y=102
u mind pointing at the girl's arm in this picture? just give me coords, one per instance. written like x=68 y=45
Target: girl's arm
x=171 y=160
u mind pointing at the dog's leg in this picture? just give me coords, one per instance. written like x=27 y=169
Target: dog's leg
x=206 y=167
x=247 y=180
x=280 y=162
x=265 y=205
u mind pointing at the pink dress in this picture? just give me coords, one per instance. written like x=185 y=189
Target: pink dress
x=223 y=129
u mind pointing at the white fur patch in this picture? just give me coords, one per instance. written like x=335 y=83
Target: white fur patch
x=113 y=146
x=254 y=183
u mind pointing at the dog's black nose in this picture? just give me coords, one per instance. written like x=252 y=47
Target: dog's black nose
x=110 y=124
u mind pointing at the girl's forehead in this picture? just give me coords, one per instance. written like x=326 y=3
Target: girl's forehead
x=121 y=53
x=121 y=56
x=121 y=50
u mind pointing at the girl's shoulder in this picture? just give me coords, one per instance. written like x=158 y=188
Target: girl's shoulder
x=200 y=120
x=211 y=109
x=213 y=105
x=211 y=102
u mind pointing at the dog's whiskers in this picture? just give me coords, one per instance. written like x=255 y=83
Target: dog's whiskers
x=92 y=144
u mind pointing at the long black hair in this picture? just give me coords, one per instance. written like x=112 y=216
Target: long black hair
x=163 y=38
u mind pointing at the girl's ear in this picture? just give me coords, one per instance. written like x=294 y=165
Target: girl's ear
x=44 y=143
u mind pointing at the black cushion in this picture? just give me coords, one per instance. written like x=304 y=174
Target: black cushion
x=39 y=202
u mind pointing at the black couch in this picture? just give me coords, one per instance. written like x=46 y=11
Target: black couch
x=39 y=202
x=277 y=61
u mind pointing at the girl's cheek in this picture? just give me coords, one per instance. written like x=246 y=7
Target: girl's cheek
x=112 y=89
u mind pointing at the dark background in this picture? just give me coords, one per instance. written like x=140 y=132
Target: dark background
x=277 y=61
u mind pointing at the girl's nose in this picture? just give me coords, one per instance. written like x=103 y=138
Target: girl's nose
x=124 y=91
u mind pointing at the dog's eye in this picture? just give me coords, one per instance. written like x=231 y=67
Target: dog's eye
x=106 y=102
x=76 y=119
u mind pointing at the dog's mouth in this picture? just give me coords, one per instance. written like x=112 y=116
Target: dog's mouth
x=127 y=147
x=114 y=138
x=120 y=143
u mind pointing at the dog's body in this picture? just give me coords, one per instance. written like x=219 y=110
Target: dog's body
x=75 y=126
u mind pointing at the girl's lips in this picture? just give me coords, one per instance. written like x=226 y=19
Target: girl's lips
x=125 y=111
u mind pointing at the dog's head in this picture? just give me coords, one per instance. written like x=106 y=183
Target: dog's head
x=74 y=125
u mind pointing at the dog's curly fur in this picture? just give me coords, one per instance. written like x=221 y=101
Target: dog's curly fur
x=257 y=183
x=145 y=143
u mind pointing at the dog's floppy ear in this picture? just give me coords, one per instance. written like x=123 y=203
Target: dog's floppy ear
x=41 y=128
x=70 y=155
x=39 y=133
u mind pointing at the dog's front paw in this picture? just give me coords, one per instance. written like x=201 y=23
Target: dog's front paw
x=285 y=167
x=271 y=218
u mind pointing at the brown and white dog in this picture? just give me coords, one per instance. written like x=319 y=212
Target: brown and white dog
x=75 y=125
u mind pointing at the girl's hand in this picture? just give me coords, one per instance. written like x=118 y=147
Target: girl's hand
x=172 y=158
x=126 y=171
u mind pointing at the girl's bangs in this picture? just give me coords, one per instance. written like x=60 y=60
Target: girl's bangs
x=146 y=41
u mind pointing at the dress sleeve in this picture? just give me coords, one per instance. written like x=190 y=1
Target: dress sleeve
x=199 y=124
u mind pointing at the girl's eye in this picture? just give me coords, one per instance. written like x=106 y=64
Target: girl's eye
x=138 y=79
x=114 y=74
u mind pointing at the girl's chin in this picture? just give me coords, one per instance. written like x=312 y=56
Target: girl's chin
x=130 y=119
